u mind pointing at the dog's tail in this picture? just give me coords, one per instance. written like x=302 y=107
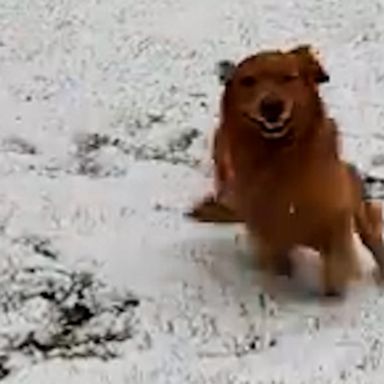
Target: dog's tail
x=213 y=210
x=358 y=181
x=368 y=218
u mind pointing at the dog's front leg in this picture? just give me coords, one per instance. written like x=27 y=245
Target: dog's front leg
x=271 y=258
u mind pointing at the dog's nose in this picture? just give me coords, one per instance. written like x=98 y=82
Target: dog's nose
x=271 y=108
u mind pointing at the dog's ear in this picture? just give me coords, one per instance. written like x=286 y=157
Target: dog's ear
x=311 y=64
x=224 y=70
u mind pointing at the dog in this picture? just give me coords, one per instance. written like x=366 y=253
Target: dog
x=278 y=169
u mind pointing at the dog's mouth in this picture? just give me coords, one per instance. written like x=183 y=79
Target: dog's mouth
x=270 y=130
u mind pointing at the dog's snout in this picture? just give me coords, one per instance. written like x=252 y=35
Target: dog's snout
x=271 y=108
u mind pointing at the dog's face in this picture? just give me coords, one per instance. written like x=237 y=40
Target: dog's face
x=270 y=90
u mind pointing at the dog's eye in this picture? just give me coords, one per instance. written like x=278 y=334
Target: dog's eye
x=290 y=77
x=248 y=81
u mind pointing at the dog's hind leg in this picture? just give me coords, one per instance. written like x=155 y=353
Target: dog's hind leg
x=272 y=259
x=340 y=261
x=368 y=219
x=369 y=225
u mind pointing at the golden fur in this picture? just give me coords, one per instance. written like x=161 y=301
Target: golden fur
x=278 y=169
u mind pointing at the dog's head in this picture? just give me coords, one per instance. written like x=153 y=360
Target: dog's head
x=273 y=91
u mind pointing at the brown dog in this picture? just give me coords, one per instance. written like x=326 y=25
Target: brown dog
x=278 y=169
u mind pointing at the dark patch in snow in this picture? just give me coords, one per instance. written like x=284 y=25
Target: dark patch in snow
x=272 y=343
x=149 y=153
x=19 y=145
x=156 y=117
x=91 y=142
x=89 y=147
x=59 y=312
x=76 y=315
x=184 y=141
x=41 y=246
x=5 y=370
x=254 y=343
x=88 y=155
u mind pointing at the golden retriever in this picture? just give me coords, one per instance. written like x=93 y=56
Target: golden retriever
x=278 y=169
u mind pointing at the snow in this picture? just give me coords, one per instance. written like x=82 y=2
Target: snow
x=107 y=113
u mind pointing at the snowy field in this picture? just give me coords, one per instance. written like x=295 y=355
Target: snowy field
x=107 y=111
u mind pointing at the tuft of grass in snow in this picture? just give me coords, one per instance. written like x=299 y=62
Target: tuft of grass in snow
x=49 y=310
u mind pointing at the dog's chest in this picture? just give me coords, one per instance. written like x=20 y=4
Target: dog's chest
x=279 y=204
x=282 y=204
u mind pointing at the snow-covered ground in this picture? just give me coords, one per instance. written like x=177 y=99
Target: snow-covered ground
x=106 y=115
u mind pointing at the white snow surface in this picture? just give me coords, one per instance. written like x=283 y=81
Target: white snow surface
x=107 y=113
